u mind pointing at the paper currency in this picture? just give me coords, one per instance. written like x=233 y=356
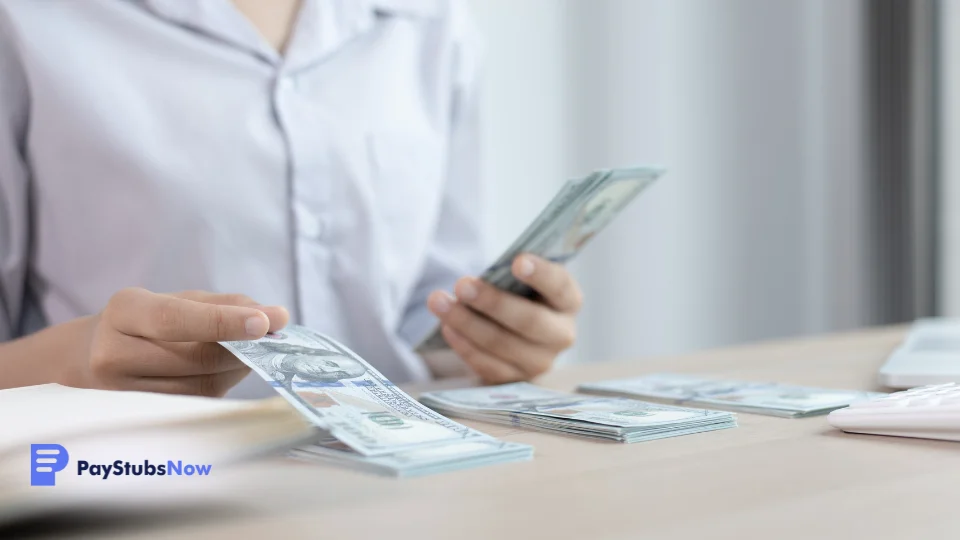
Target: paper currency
x=419 y=462
x=576 y=214
x=347 y=398
x=751 y=397
x=620 y=419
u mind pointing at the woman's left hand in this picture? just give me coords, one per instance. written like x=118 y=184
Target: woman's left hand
x=504 y=337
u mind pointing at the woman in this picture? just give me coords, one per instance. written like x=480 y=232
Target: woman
x=319 y=155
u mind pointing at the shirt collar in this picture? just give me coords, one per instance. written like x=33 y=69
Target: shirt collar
x=322 y=26
x=410 y=8
x=218 y=19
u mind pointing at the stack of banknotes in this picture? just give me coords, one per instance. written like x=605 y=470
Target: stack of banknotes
x=417 y=461
x=751 y=397
x=619 y=419
x=576 y=214
x=364 y=420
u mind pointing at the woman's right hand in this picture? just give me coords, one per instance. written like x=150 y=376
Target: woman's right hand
x=168 y=342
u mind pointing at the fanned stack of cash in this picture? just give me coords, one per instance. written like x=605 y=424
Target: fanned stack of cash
x=365 y=421
x=751 y=397
x=620 y=419
x=576 y=214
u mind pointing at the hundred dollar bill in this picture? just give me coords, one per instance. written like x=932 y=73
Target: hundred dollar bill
x=343 y=394
x=753 y=397
x=419 y=461
x=576 y=214
x=621 y=419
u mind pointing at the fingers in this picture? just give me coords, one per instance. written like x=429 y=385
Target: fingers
x=138 y=312
x=501 y=336
x=278 y=315
x=168 y=342
x=486 y=336
x=530 y=320
x=131 y=356
x=118 y=354
x=553 y=281
x=488 y=368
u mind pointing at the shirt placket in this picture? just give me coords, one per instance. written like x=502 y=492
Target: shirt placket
x=309 y=195
x=323 y=27
x=310 y=179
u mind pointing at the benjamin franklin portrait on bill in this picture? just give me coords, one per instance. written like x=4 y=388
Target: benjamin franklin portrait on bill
x=285 y=362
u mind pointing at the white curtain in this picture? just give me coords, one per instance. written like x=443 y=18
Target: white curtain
x=949 y=267
x=755 y=108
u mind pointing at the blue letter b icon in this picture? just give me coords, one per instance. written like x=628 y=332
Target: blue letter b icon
x=46 y=460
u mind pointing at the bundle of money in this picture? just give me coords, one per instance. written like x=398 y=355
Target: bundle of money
x=751 y=397
x=619 y=419
x=365 y=421
x=572 y=218
x=418 y=461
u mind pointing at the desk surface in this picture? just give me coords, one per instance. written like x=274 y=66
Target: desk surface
x=770 y=477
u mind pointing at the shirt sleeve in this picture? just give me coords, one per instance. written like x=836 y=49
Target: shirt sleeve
x=14 y=192
x=458 y=244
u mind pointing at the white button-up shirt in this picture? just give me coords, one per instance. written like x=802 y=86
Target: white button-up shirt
x=164 y=144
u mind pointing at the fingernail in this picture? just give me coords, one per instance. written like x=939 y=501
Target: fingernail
x=525 y=268
x=466 y=291
x=257 y=326
x=441 y=303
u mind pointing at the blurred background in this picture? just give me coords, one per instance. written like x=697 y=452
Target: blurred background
x=808 y=147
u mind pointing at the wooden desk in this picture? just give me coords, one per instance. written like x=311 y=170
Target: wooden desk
x=769 y=478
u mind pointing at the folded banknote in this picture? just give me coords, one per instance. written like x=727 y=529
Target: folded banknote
x=364 y=420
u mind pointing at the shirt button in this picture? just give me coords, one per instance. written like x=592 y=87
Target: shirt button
x=310 y=226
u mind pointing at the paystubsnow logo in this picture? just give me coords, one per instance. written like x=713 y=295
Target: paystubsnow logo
x=48 y=459
x=125 y=468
